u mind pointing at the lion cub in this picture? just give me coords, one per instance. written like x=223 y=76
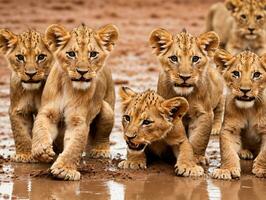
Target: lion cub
x=80 y=94
x=186 y=71
x=245 y=114
x=149 y=121
x=30 y=61
x=240 y=25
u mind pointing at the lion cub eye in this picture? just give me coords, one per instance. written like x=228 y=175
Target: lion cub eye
x=236 y=74
x=173 y=58
x=126 y=118
x=259 y=17
x=41 y=57
x=146 y=122
x=195 y=59
x=20 y=58
x=256 y=75
x=71 y=54
x=243 y=16
x=93 y=54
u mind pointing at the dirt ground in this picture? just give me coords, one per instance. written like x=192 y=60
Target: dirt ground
x=134 y=65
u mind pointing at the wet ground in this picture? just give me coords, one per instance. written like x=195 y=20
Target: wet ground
x=134 y=65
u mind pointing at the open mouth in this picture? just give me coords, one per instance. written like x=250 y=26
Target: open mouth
x=245 y=98
x=82 y=79
x=31 y=81
x=135 y=147
x=185 y=85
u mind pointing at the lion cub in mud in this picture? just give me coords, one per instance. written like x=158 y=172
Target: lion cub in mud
x=240 y=24
x=151 y=122
x=186 y=71
x=80 y=94
x=30 y=62
x=244 y=127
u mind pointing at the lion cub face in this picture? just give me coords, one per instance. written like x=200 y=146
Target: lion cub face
x=81 y=52
x=28 y=55
x=147 y=117
x=184 y=57
x=245 y=76
x=249 y=16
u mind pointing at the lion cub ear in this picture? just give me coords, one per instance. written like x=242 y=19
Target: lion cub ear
x=56 y=37
x=8 y=41
x=223 y=59
x=108 y=36
x=263 y=60
x=232 y=5
x=126 y=95
x=160 y=40
x=176 y=107
x=209 y=42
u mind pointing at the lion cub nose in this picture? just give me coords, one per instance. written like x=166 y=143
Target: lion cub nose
x=251 y=30
x=130 y=137
x=31 y=73
x=184 y=77
x=244 y=90
x=82 y=71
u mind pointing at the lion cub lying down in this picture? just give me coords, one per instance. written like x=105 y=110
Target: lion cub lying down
x=240 y=25
x=151 y=122
x=244 y=124
x=79 y=93
x=30 y=61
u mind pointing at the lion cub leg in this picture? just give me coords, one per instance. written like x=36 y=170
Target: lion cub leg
x=75 y=140
x=135 y=160
x=259 y=165
x=218 y=117
x=230 y=162
x=45 y=132
x=99 y=143
x=245 y=154
x=21 y=125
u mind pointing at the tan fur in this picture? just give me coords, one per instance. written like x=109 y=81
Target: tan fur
x=203 y=88
x=232 y=21
x=84 y=103
x=151 y=122
x=25 y=96
x=244 y=124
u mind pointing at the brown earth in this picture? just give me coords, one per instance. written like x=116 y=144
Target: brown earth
x=134 y=65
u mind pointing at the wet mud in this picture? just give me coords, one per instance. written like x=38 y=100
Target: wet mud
x=133 y=65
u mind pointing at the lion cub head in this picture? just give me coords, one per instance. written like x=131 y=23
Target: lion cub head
x=147 y=117
x=245 y=76
x=249 y=16
x=81 y=52
x=184 y=58
x=28 y=55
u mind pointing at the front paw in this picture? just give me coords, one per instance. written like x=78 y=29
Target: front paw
x=259 y=171
x=245 y=154
x=99 y=151
x=61 y=171
x=201 y=160
x=226 y=174
x=43 y=152
x=23 y=158
x=192 y=170
x=216 y=130
x=136 y=164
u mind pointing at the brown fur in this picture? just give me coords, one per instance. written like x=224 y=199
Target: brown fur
x=203 y=88
x=232 y=21
x=25 y=97
x=80 y=93
x=149 y=121
x=244 y=124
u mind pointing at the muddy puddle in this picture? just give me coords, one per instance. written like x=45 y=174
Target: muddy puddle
x=133 y=65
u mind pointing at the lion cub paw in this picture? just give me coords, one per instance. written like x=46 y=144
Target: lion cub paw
x=95 y=153
x=23 y=158
x=216 y=130
x=188 y=170
x=127 y=164
x=245 y=154
x=62 y=172
x=201 y=160
x=226 y=174
x=43 y=153
x=259 y=171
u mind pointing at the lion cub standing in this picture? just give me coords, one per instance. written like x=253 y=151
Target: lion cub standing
x=240 y=25
x=30 y=62
x=151 y=122
x=244 y=124
x=80 y=93
x=186 y=71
